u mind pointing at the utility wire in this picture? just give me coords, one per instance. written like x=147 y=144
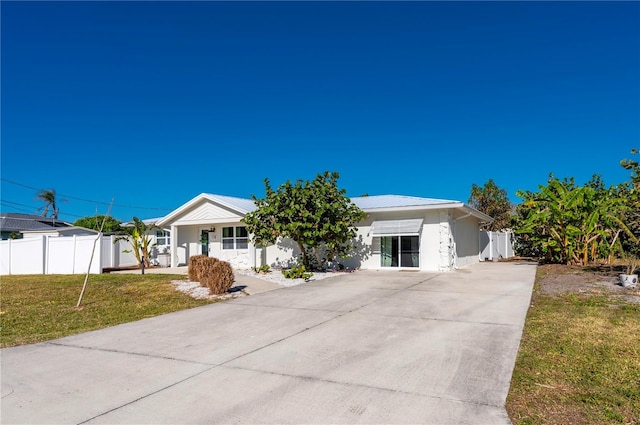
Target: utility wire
x=12 y=205
x=18 y=208
x=86 y=200
x=4 y=201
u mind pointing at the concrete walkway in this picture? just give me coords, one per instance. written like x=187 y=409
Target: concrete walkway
x=367 y=347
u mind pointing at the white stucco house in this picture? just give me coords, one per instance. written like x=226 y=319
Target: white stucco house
x=399 y=232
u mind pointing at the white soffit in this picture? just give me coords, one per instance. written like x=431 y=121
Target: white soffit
x=396 y=227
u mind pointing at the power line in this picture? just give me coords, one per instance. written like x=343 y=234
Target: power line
x=4 y=201
x=86 y=200
x=12 y=205
x=17 y=208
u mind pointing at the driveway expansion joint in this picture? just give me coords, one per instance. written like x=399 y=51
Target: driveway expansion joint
x=357 y=385
x=166 y=387
x=434 y=319
x=113 y=350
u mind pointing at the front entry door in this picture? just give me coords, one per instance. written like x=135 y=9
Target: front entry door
x=204 y=242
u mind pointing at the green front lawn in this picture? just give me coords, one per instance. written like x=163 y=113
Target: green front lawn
x=579 y=359
x=37 y=308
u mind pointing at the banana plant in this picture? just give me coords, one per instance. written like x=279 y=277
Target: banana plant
x=139 y=240
x=573 y=224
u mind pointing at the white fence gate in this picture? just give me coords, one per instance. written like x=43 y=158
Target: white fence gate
x=496 y=245
x=62 y=255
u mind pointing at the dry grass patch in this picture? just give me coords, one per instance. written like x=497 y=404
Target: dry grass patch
x=37 y=308
x=579 y=359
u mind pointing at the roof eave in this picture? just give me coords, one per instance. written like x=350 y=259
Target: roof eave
x=203 y=196
x=484 y=218
x=414 y=207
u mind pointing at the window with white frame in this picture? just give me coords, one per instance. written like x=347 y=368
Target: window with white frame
x=235 y=238
x=163 y=237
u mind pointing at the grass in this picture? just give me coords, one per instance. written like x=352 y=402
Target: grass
x=579 y=361
x=38 y=308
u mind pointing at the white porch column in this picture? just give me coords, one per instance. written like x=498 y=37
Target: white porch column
x=252 y=255
x=174 y=246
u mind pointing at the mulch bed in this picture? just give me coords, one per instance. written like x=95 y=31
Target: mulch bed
x=558 y=279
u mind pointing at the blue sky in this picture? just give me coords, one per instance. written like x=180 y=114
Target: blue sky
x=152 y=103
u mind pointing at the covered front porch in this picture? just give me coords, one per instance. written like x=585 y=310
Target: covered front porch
x=227 y=241
x=211 y=225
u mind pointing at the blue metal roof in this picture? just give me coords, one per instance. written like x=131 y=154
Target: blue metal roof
x=397 y=201
x=239 y=204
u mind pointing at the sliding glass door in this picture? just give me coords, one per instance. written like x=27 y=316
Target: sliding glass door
x=400 y=251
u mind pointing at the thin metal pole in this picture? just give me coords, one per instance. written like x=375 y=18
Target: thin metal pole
x=86 y=278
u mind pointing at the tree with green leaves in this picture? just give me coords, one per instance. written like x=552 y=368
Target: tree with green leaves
x=493 y=201
x=49 y=198
x=111 y=225
x=316 y=214
x=140 y=241
x=631 y=192
x=571 y=224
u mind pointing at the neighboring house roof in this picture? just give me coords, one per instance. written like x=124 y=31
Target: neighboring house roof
x=63 y=230
x=376 y=203
x=17 y=222
x=146 y=221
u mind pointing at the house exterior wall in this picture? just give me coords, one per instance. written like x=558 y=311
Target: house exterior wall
x=448 y=237
x=61 y=232
x=188 y=244
x=367 y=247
x=206 y=213
x=239 y=258
x=445 y=243
x=467 y=241
x=282 y=254
x=31 y=235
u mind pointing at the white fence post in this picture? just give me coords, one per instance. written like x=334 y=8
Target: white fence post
x=5 y=257
x=112 y=250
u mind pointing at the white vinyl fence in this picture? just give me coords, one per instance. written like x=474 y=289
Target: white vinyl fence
x=496 y=245
x=62 y=255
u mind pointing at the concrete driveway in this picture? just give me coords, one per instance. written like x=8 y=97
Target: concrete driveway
x=367 y=347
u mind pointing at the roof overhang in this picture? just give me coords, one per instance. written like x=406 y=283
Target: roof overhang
x=466 y=209
x=484 y=218
x=203 y=197
x=414 y=207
